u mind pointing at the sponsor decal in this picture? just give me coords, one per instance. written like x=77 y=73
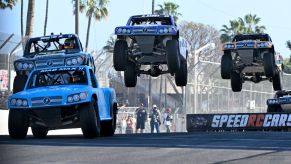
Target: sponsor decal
x=240 y=121
x=64 y=69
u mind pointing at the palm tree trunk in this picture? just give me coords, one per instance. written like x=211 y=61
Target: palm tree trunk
x=30 y=18
x=46 y=15
x=153 y=6
x=77 y=10
x=88 y=31
x=21 y=18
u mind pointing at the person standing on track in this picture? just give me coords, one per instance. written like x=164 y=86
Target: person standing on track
x=155 y=119
x=141 y=118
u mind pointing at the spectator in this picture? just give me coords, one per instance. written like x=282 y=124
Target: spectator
x=141 y=118
x=155 y=119
x=129 y=124
x=168 y=118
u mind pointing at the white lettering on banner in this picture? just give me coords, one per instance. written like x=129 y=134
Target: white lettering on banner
x=275 y=120
x=223 y=120
x=267 y=120
x=237 y=120
x=283 y=120
x=289 y=120
x=244 y=120
x=230 y=121
x=215 y=121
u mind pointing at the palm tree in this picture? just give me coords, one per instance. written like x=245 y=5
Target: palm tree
x=169 y=8
x=7 y=4
x=110 y=44
x=248 y=24
x=252 y=22
x=96 y=9
x=46 y=15
x=21 y=17
x=153 y=6
x=30 y=18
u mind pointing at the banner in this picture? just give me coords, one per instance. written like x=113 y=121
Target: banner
x=239 y=121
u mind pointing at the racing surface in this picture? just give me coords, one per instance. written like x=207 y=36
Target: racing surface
x=198 y=147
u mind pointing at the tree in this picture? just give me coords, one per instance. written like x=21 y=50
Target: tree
x=46 y=15
x=96 y=9
x=248 y=24
x=109 y=47
x=169 y=8
x=30 y=18
x=4 y=4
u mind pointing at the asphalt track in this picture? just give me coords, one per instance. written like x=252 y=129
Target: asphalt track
x=198 y=147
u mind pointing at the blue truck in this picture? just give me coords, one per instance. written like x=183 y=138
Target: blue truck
x=49 y=51
x=280 y=103
x=150 y=44
x=251 y=57
x=60 y=98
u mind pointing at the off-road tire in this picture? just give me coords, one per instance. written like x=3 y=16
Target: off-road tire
x=19 y=83
x=269 y=65
x=90 y=119
x=108 y=127
x=130 y=75
x=173 y=55
x=39 y=132
x=120 y=55
x=18 y=123
x=226 y=65
x=236 y=82
x=181 y=74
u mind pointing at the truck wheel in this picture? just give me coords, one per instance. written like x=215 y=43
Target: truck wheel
x=173 y=55
x=108 y=127
x=130 y=75
x=277 y=83
x=226 y=65
x=39 y=132
x=269 y=66
x=17 y=123
x=236 y=82
x=90 y=119
x=274 y=109
x=19 y=83
x=120 y=55
x=181 y=74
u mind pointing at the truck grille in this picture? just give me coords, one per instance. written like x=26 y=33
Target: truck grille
x=49 y=63
x=46 y=101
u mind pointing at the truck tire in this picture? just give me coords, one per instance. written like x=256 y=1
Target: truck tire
x=173 y=55
x=120 y=55
x=108 y=127
x=269 y=65
x=18 y=123
x=19 y=83
x=39 y=132
x=181 y=74
x=90 y=119
x=226 y=65
x=276 y=80
x=236 y=82
x=130 y=75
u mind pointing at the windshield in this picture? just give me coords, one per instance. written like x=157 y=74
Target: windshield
x=50 y=44
x=150 y=20
x=251 y=37
x=55 y=77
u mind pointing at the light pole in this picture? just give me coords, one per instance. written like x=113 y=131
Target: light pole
x=195 y=86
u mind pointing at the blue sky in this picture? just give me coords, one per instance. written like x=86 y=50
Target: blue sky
x=275 y=16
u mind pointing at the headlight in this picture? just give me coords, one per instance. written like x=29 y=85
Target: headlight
x=70 y=99
x=18 y=102
x=25 y=66
x=19 y=66
x=24 y=103
x=74 y=61
x=166 y=30
x=76 y=97
x=80 y=60
x=171 y=30
x=161 y=30
x=83 y=95
x=124 y=30
x=119 y=30
x=30 y=66
x=12 y=102
x=69 y=62
x=128 y=31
